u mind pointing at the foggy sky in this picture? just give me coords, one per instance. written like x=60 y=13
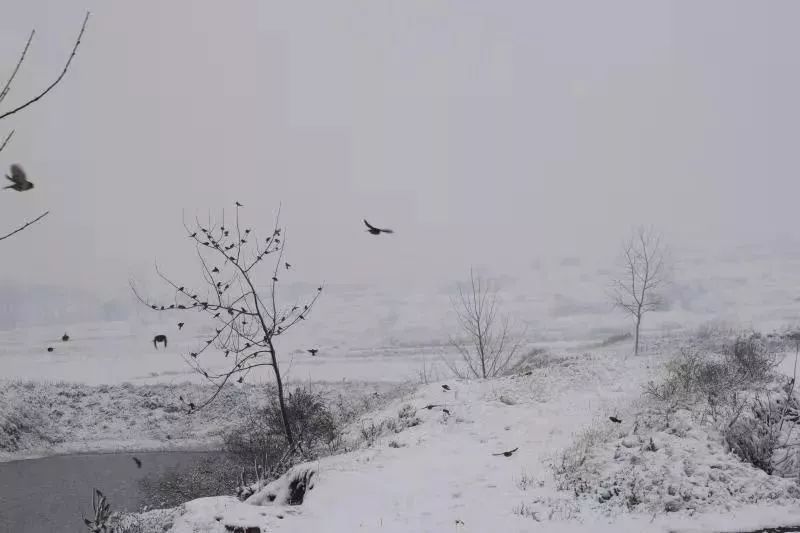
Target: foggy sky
x=490 y=133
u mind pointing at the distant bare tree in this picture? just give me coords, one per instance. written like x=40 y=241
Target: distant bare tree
x=488 y=347
x=7 y=89
x=246 y=324
x=643 y=273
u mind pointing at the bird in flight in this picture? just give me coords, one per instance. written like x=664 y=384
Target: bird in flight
x=509 y=453
x=137 y=461
x=19 y=181
x=313 y=351
x=239 y=205
x=376 y=231
x=180 y=325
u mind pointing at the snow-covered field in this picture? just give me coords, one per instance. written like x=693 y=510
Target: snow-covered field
x=440 y=475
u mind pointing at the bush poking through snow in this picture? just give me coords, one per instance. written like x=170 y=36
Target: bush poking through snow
x=289 y=489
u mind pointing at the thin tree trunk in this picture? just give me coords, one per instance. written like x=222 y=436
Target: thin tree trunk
x=286 y=427
x=636 y=342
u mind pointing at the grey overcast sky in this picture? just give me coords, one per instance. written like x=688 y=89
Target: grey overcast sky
x=486 y=132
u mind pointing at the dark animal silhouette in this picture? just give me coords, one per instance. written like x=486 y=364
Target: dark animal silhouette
x=239 y=205
x=180 y=325
x=313 y=351
x=159 y=338
x=615 y=419
x=430 y=406
x=376 y=231
x=215 y=270
x=446 y=387
x=509 y=453
x=19 y=181
x=288 y=266
x=446 y=411
x=137 y=461
x=65 y=337
x=49 y=348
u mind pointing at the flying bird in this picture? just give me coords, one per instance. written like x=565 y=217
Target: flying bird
x=180 y=325
x=313 y=351
x=446 y=387
x=19 y=181
x=239 y=205
x=509 y=453
x=615 y=419
x=137 y=461
x=376 y=231
x=65 y=337
x=49 y=348
x=159 y=338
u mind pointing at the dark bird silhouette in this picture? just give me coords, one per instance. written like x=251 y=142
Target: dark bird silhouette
x=376 y=231
x=215 y=270
x=430 y=406
x=159 y=338
x=19 y=181
x=191 y=405
x=65 y=337
x=49 y=348
x=446 y=411
x=274 y=279
x=615 y=419
x=509 y=453
x=459 y=522
x=446 y=387
x=193 y=235
x=239 y=205
x=313 y=351
x=137 y=461
x=288 y=266
x=216 y=316
x=180 y=325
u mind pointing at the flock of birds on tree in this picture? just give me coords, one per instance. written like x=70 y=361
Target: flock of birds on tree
x=19 y=182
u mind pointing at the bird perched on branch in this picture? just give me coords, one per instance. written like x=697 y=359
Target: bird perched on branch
x=376 y=231
x=19 y=181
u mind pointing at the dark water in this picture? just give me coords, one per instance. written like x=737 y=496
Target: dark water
x=48 y=495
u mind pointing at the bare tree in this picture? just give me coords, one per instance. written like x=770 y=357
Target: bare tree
x=488 y=347
x=643 y=273
x=4 y=92
x=246 y=324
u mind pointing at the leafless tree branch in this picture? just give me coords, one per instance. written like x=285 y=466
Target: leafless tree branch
x=642 y=274
x=34 y=221
x=245 y=325
x=489 y=346
x=53 y=84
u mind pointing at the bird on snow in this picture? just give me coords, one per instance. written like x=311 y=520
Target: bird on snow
x=446 y=387
x=137 y=461
x=615 y=419
x=376 y=231
x=159 y=338
x=180 y=325
x=509 y=453
x=19 y=181
x=313 y=351
x=65 y=337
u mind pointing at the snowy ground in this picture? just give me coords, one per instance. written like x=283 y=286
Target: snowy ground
x=441 y=474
